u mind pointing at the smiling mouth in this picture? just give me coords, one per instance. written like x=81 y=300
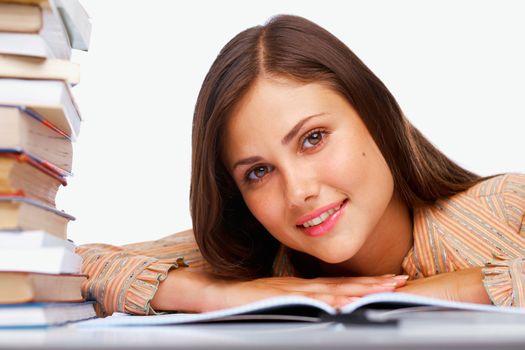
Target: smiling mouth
x=322 y=217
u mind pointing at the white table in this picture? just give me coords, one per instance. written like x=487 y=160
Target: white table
x=463 y=331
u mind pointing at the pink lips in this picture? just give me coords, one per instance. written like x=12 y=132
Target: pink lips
x=326 y=225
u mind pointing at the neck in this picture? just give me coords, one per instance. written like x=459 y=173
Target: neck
x=385 y=248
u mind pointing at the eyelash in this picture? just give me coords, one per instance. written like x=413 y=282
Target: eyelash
x=323 y=132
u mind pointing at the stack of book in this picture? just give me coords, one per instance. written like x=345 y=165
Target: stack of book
x=40 y=274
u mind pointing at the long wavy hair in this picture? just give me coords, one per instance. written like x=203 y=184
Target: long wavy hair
x=229 y=237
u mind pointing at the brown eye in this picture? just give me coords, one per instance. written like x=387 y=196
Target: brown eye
x=258 y=173
x=313 y=139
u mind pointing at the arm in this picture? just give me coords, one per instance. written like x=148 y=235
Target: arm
x=502 y=280
x=126 y=278
x=198 y=291
x=146 y=277
x=504 y=276
x=463 y=285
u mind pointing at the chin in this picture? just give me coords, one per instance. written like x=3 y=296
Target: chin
x=337 y=251
x=334 y=258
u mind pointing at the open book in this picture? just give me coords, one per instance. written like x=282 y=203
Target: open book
x=290 y=308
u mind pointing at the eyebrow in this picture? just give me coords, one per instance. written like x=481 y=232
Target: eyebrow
x=286 y=139
x=291 y=134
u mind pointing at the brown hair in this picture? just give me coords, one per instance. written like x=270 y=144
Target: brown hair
x=229 y=236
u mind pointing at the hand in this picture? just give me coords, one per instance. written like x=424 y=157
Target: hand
x=463 y=285
x=197 y=291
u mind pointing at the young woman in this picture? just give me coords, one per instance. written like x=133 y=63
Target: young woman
x=308 y=180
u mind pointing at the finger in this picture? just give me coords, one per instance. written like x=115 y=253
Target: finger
x=401 y=280
x=333 y=300
x=359 y=289
x=342 y=288
x=336 y=301
x=337 y=285
x=347 y=300
x=362 y=279
x=334 y=280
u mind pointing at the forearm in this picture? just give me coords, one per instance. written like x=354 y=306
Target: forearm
x=463 y=285
x=470 y=286
x=178 y=292
x=120 y=279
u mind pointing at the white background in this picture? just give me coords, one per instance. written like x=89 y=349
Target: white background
x=456 y=68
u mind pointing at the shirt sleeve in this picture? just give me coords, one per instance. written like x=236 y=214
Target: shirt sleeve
x=125 y=278
x=504 y=280
x=504 y=276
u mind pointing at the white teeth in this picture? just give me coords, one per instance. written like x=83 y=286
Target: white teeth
x=321 y=218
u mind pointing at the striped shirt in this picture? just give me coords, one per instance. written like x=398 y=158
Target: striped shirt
x=483 y=226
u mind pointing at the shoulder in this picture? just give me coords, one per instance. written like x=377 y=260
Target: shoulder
x=501 y=196
x=469 y=228
x=494 y=201
x=511 y=184
x=505 y=192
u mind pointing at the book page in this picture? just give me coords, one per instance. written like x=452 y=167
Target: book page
x=406 y=301
x=279 y=308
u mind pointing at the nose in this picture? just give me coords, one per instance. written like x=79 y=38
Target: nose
x=300 y=186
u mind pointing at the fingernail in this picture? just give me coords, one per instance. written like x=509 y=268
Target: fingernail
x=401 y=277
x=388 y=284
x=388 y=275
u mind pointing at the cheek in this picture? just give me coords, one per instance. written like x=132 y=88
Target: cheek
x=359 y=170
x=266 y=206
x=344 y=168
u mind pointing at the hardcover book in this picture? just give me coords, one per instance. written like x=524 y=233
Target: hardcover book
x=44 y=314
x=22 y=213
x=50 y=260
x=41 y=34
x=50 y=99
x=27 y=287
x=20 y=131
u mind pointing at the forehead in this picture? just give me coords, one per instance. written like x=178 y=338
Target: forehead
x=270 y=108
x=278 y=98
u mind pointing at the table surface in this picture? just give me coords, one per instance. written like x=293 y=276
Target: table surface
x=461 y=330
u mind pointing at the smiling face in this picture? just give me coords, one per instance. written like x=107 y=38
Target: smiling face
x=308 y=169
